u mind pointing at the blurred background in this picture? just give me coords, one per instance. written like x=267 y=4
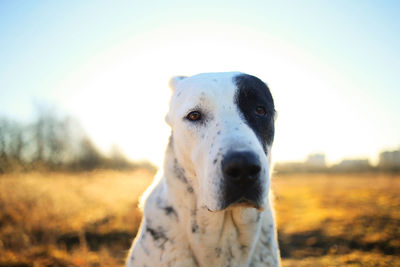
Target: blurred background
x=83 y=95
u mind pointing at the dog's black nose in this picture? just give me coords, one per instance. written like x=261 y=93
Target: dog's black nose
x=241 y=167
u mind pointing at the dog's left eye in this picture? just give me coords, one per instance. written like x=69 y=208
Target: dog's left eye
x=194 y=116
x=260 y=110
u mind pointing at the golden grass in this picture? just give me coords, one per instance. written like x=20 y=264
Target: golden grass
x=338 y=220
x=90 y=219
x=59 y=218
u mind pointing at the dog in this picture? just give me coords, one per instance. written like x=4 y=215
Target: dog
x=210 y=205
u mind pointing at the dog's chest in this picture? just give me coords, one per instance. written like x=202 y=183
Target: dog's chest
x=224 y=239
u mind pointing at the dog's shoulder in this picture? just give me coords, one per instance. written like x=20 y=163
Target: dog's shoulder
x=159 y=240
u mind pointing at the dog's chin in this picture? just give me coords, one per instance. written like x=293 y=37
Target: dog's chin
x=241 y=203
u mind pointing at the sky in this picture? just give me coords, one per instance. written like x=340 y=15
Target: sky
x=332 y=67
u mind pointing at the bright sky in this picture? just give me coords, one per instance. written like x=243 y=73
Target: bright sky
x=332 y=66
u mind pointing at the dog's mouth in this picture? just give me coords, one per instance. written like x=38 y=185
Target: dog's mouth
x=240 y=202
x=246 y=203
x=249 y=196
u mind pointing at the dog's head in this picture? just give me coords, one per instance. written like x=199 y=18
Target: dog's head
x=222 y=131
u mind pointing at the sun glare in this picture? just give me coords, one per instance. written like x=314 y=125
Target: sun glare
x=122 y=96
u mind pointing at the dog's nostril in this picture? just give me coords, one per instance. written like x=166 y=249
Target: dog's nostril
x=254 y=169
x=232 y=170
x=235 y=170
x=241 y=166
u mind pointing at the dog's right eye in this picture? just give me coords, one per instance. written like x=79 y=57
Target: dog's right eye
x=260 y=110
x=194 y=116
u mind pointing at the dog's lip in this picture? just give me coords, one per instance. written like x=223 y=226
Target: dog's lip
x=210 y=210
x=246 y=203
x=248 y=197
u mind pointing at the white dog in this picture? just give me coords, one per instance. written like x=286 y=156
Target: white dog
x=210 y=206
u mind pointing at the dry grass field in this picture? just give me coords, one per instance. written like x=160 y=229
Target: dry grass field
x=90 y=219
x=338 y=220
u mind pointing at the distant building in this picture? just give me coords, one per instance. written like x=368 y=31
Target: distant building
x=352 y=165
x=316 y=160
x=313 y=163
x=316 y=163
x=289 y=167
x=389 y=160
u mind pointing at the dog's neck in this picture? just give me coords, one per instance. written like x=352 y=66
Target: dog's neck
x=215 y=238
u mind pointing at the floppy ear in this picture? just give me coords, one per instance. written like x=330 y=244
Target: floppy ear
x=173 y=82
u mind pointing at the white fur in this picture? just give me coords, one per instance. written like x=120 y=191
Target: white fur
x=184 y=223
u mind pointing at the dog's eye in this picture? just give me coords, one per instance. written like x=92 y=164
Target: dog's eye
x=260 y=110
x=194 y=116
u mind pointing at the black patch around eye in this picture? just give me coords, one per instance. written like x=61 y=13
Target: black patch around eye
x=251 y=94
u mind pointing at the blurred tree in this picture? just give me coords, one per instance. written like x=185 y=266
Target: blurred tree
x=89 y=157
x=54 y=142
x=118 y=159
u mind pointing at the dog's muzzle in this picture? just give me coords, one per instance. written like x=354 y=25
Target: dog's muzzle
x=242 y=184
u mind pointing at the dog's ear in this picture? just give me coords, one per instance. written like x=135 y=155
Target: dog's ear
x=173 y=82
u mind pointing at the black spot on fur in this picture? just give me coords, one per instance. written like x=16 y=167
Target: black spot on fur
x=218 y=252
x=170 y=141
x=195 y=227
x=230 y=256
x=190 y=189
x=253 y=93
x=215 y=161
x=196 y=263
x=179 y=172
x=158 y=235
x=170 y=211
